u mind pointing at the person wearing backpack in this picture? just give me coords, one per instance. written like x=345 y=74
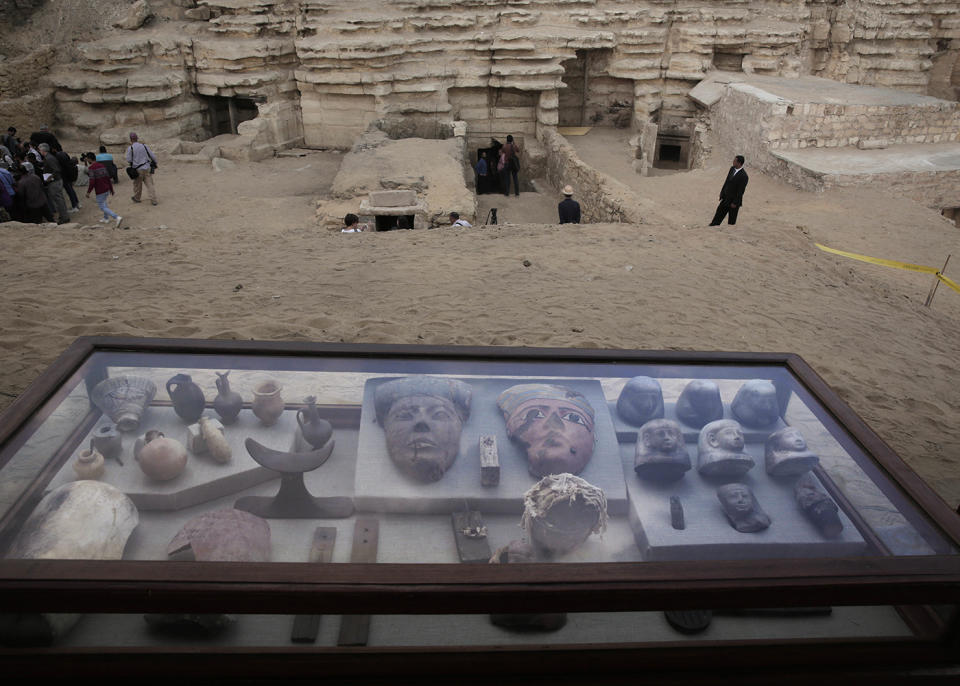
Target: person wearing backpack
x=143 y=162
x=510 y=155
x=68 y=166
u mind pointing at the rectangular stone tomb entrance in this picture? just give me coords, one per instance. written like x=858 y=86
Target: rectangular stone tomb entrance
x=388 y=210
x=226 y=114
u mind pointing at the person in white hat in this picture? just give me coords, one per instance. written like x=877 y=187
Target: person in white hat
x=569 y=209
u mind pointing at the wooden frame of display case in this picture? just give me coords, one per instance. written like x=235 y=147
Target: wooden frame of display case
x=910 y=583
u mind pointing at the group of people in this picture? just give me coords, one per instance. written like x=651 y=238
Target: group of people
x=36 y=173
x=506 y=168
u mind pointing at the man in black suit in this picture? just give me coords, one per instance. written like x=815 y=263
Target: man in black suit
x=731 y=195
x=568 y=209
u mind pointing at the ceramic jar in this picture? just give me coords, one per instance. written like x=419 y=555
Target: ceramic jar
x=106 y=440
x=89 y=464
x=159 y=457
x=187 y=398
x=267 y=402
x=315 y=429
x=228 y=403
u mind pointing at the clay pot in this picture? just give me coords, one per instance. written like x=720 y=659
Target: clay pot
x=228 y=403
x=89 y=464
x=315 y=429
x=187 y=398
x=107 y=442
x=267 y=402
x=159 y=457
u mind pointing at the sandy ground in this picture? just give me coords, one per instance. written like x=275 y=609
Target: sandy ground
x=241 y=258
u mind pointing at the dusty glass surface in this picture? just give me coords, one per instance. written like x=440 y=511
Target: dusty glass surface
x=369 y=418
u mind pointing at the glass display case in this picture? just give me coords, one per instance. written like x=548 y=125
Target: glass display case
x=393 y=510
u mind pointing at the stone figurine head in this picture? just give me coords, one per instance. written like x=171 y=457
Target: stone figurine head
x=818 y=507
x=755 y=404
x=786 y=453
x=661 y=453
x=554 y=424
x=699 y=403
x=742 y=509
x=720 y=450
x=640 y=401
x=422 y=417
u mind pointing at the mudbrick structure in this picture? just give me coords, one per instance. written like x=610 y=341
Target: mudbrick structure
x=318 y=73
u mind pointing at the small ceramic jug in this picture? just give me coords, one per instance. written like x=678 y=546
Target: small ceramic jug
x=315 y=430
x=187 y=398
x=89 y=464
x=106 y=440
x=267 y=402
x=228 y=403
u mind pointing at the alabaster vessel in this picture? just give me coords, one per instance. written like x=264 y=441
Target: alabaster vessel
x=187 y=397
x=553 y=424
x=742 y=509
x=267 y=402
x=699 y=403
x=422 y=419
x=786 y=453
x=216 y=442
x=159 y=457
x=123 y=399
x=661 y=454
x=561 y=511
x=755 y=404
x=640 y=400
x=228 y=403
x=720 y=450
x=89 y=464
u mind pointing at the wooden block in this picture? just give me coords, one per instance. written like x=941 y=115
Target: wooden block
x=471 y=537
x=355 y=629
x=489 y=460
x=306 y=627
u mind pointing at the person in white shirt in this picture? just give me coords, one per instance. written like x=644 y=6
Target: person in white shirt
x=455 y=220
x=351 y=224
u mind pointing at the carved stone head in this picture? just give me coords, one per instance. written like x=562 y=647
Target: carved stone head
x=699 y=403
x=423 y=417
x=661 y=453
x=720 y=450
x=742 y=509
x=640 y=400
x=786 y=453
x=818 y=507
x=554 y=424
x=755 y=404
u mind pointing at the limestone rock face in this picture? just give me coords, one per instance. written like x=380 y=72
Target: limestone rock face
x=136 y=16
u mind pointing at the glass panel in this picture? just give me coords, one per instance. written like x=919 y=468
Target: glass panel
x=445 y=460
x=584 y=628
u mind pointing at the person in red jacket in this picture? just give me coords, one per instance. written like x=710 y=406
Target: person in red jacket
x=100 y=182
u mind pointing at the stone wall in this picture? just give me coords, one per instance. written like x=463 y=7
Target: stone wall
x=26 y=100
x=350 y=62
x=601 y=197
x=755 y=123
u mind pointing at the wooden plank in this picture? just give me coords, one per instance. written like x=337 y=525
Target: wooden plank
x=489 y=460
x=306 y=627
x=471 y=536
x=355 y=629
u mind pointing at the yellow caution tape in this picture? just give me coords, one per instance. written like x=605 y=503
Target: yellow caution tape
x=893 y=263
x=950 y=282
x=883 y=262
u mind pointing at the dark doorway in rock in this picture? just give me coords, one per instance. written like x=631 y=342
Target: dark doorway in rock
x=386 y=222
x=953 y=214
x=728 y=61
x=226 y=114
x=673 y=152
